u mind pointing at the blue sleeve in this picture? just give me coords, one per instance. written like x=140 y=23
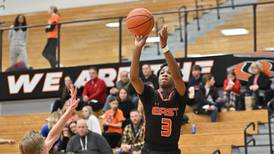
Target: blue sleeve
x=45 y=131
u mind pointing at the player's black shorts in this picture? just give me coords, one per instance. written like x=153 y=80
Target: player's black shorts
x=147 y=150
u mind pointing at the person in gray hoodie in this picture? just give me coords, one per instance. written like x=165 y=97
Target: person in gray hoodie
x=17 y=41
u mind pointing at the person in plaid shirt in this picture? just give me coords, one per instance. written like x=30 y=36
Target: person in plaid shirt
x=133 y=136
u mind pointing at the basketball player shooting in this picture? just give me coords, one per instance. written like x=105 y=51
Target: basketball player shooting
x=164 y=108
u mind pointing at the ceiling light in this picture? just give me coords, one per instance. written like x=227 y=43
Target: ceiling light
x=153 y=39
x=113 y=25
x=234 y=32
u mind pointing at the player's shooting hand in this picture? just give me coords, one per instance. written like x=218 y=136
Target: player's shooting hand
x=72 y=105
x=140 y=41
x=163 y=36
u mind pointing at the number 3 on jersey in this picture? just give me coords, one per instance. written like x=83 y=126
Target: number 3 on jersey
x=166 y=127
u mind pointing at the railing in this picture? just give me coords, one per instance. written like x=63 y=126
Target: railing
x=253 y=125
x=270 y=106
x=182 y=12
x=217 y=151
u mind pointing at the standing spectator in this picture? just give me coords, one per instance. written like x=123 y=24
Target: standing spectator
x=232 y=87
x=91 y=119
x=112 y=122
x=18 y=41
x=87 y=142
x=72 y=128
x=208 y=99
x=52 y=33
x=258 y=85
x=134 y=133
x=64 y=139
x=94 y=93
x=125 y=105
x=65 y=95
x=148 y=77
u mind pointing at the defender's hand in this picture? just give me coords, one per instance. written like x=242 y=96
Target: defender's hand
x=163 y=37
x=140 y=41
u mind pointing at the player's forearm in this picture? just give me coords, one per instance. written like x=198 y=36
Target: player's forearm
x=134 y=68
x=172 y=65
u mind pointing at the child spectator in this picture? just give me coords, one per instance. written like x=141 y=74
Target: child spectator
x=232 y=87
x=112 y=122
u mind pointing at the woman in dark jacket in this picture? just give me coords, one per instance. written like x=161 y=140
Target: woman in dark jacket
x=258 y=84
x=208 y=99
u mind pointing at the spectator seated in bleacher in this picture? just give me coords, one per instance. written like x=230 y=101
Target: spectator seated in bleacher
x=195 y=83
x=94 y=93
x=7 y=141
x=51 y=121
x=133 y=135
x=112 y=122
x=64 y=139
x=258 y=85
x=232 y=87
x=65 y=95
x=92 y=121
x=72 y=128
x=148 y=77
x=87 y=142
x=208 y=99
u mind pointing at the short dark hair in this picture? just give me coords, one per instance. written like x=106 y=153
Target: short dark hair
x=93 y=68
x=164 y=65
x=196 y=68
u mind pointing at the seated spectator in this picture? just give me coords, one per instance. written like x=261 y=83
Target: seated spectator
x=65 y=95
x=208 y=99
x=87 y=142
x=51 y=121
x=7 y=141
x=148 y=77
x=125 y=105
x=232 y=87
x=258 y=85
x=94 y=93
x=63 y=141
x=196 y=78
x=133 y=136
x=72 y=128
x=124 y=82
x=112 y=122
x=91 y=119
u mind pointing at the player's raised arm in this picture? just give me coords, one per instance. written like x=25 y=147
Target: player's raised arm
x=135 y=66
x=171 y=62
x=55 y=132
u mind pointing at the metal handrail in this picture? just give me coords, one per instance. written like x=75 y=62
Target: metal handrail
x=270 y=111
x=218 y=9
x=245 y=134
x=180 y=21
x=217 y=151
x=253 y=141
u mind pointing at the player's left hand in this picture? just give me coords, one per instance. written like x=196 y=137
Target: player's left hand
x=163 y=36
x=140 y=41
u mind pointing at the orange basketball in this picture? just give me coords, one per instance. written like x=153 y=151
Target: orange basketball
x=140 y=22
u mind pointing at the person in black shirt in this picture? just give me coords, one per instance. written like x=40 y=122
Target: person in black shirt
x=148 y=77
x=164 y=108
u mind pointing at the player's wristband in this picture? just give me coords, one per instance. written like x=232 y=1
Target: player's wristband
x=165 y=49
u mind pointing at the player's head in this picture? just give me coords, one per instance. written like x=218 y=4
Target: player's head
x=135 y=117
x=114 y=103
x=146 y=70
x=164 y=77
x=33 y=143
x=53 y=9
x=196 y=71
x=93 y=73
x=87 y=111
x=82 y=127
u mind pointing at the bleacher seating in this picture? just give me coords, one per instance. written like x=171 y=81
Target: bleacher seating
x=226 y=132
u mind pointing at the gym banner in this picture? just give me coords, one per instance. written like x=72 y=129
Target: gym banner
x=46 y=83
